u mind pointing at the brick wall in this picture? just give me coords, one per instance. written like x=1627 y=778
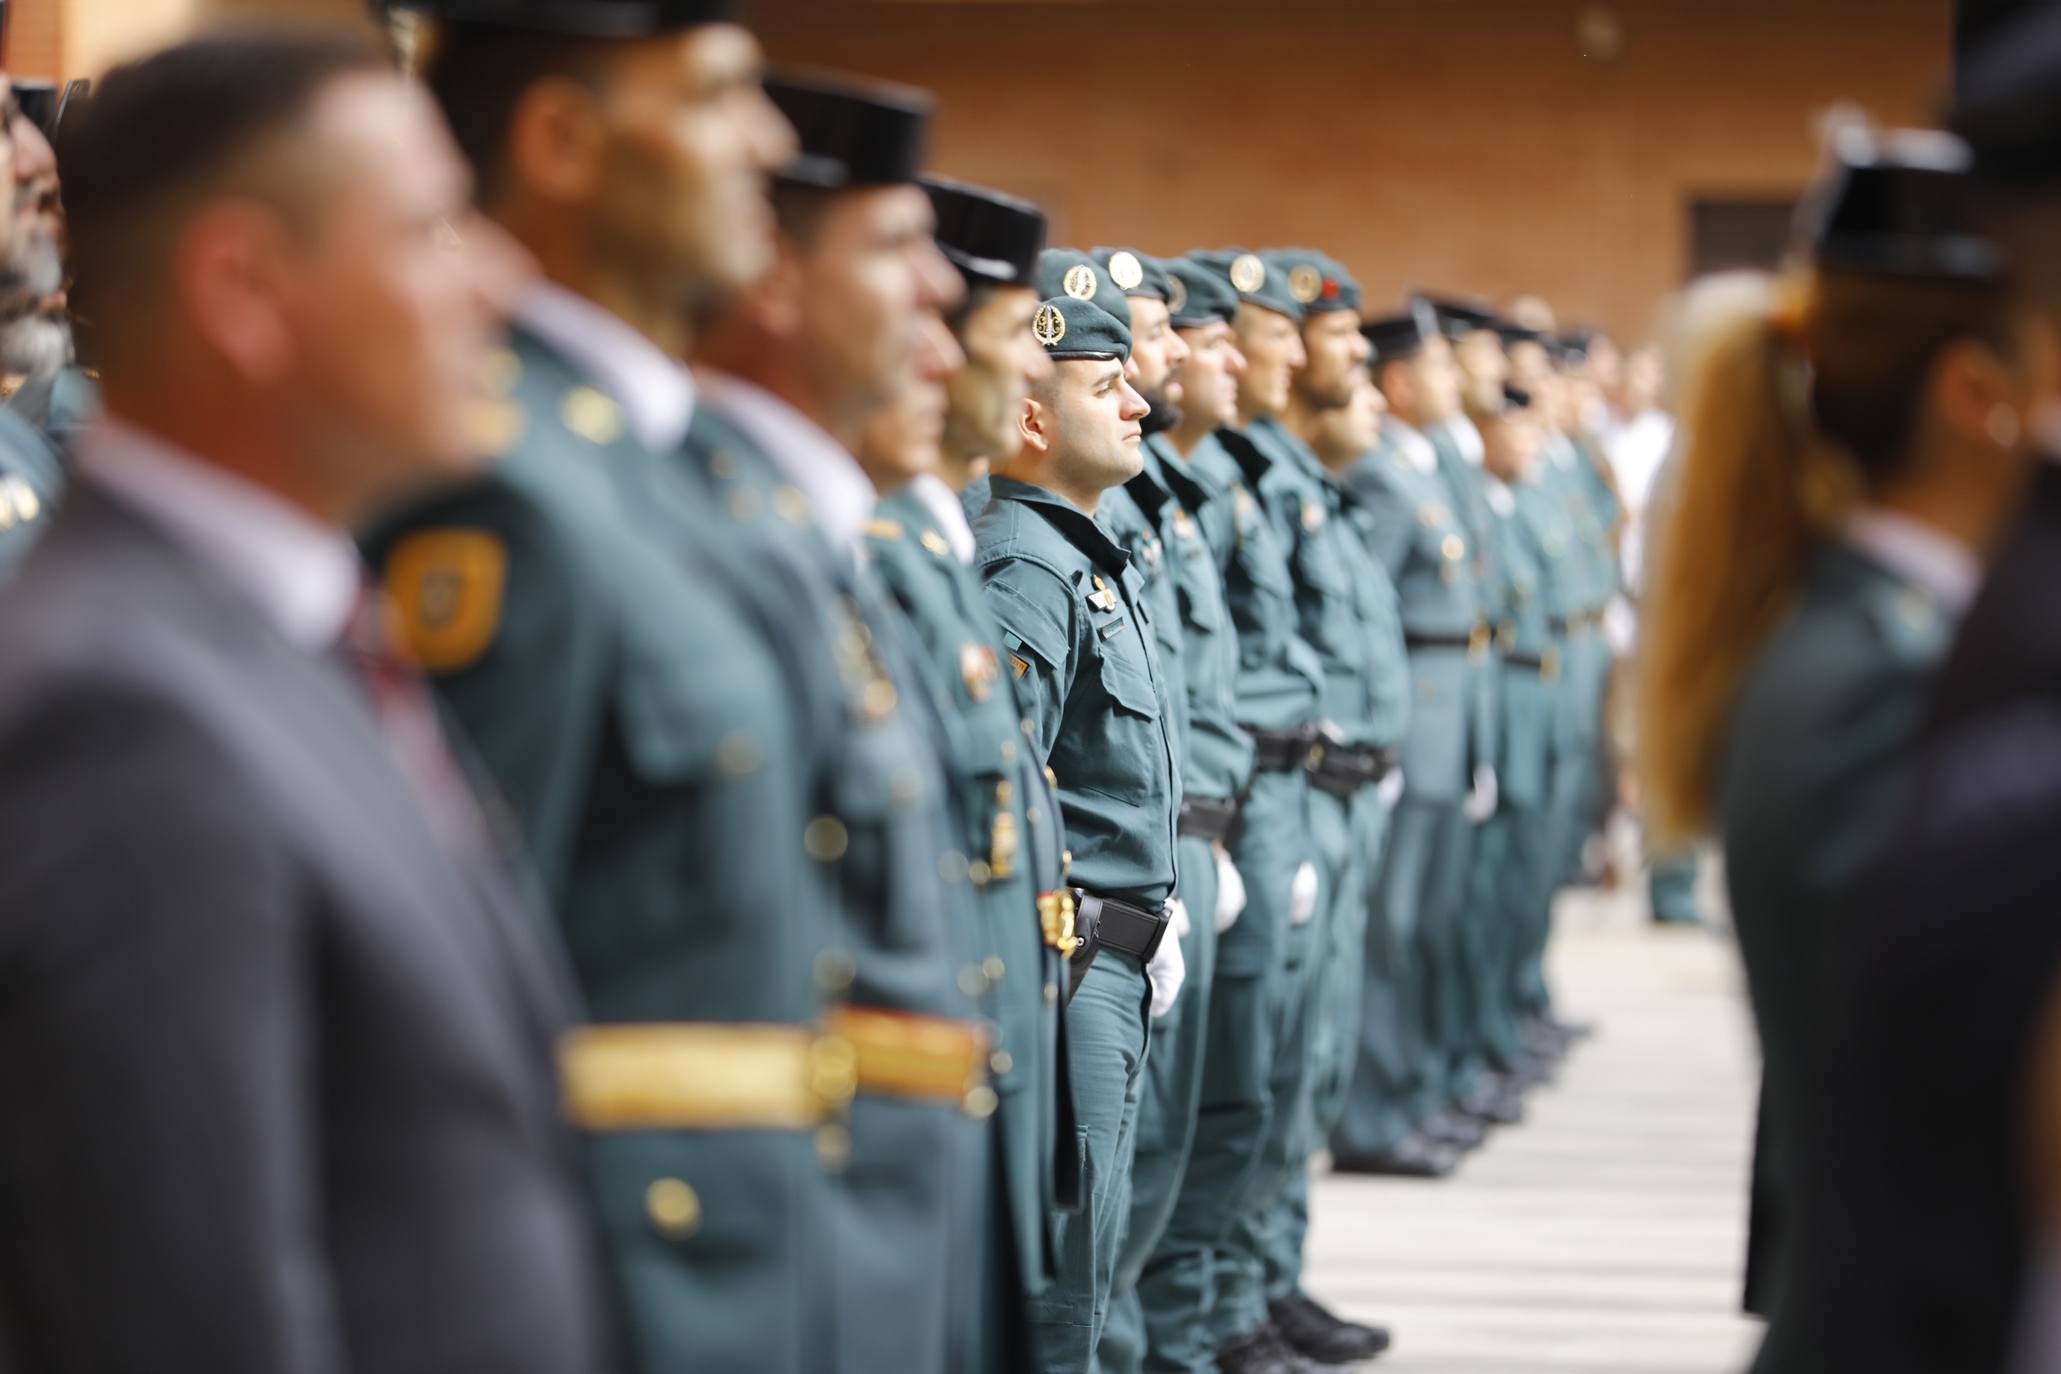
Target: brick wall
x=1464 y=144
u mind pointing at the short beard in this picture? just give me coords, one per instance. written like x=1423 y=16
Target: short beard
x=35 y=346
x=1162 y=416
x=34 y=343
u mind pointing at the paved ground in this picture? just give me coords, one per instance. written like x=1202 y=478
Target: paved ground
x=1604 y=1235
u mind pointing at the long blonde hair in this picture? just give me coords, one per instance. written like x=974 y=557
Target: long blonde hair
x=1771 y=449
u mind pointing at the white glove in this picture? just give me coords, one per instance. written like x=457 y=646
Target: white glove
x=1481 y=800
x=1230 y=891
x=1302 y=895
x=1168 y=970
x=1389 y=790
x=1177 y=916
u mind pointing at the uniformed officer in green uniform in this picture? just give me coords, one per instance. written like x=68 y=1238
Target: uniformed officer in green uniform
x=1155 y=516
x=1080 y=643
x=1510 y=877
x=1008 y=821
x=790 y=371
x=1392 y=1124
x=1348 y=614
x=1257 y=1098
x=1458 y=1076
x=1584 y=787
x=599 y=638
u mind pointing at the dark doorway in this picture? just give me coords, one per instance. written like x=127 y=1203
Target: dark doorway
x=1727 y=234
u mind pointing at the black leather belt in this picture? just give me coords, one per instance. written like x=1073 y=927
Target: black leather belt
x=1577 y=624
x=1546 y=665
x=1284 y=751
x=1475 y=641
x=1107 y=922
x=1207 y=818
x=1343 y=771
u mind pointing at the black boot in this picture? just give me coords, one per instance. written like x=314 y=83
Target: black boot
x=1323 y=1336
x=1416 y=1157
x=1260 y=1352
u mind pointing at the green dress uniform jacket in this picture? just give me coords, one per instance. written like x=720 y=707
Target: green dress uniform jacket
x=1812 y=776
x=1009 y=820
x=1081 y=639
x=584 y=623
x=917 y=1197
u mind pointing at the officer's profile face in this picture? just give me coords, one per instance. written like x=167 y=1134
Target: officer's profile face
x=899 y=441
x=384 y=293
x=1003 y=360
x=1484 y=366
x=1272 y=345
x=1209 y=379
x=688 y=142
x=1156 y=351
x=867 y=274
x=1087 y=419
x=1436 y=382
x=1510 y=444
x=1337 y=357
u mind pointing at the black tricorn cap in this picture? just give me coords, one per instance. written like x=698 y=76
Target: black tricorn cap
x=2007 y=103
x=992 y=238
x=575 y=18
x=1405 y=335
x=1899 y=204
x=852 y=134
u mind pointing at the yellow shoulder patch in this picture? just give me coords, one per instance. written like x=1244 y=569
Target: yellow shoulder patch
x=935 y=543
x=883 y=529
x=1019 y=666
x=447 y=586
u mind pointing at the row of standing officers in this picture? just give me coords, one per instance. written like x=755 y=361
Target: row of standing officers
x=1021 y=749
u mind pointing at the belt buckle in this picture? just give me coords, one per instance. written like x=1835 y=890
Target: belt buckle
x=1549 y=664
x=1479 y=639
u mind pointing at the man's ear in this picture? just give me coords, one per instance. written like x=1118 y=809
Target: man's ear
x=556 y=145
x=232 y=270
x=1035 y=425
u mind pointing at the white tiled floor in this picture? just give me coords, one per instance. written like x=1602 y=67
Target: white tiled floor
x=1605 y=1235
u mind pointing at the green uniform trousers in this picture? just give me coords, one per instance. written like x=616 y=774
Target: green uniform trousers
x=1203 y=1291
x=1299 y=1009
x=1442 y=955
x=1673 y=889
x=1381 y=1109
x=1166 y=1130
x=1107 y=1032
x=1341 y=990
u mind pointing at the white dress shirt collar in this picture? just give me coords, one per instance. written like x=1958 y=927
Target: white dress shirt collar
x=839 y=493
x=949 y=511
x=1935 y=563
x=1467 y=439
x=655 y=391
x=1412 y=444
x=304 y=574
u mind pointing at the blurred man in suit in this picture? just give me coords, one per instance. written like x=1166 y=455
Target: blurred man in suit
x=277 y=1031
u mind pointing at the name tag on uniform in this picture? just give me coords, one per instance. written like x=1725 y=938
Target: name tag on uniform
x=1110 y=630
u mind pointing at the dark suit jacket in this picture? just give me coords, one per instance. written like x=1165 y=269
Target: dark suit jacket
x=276 y=1064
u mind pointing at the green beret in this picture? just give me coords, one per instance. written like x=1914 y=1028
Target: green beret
x=1253 y=280
x=1135 y=273
x=1071 y=328
x=1199 y=296
x=1317 y=282
x=1070 y=272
